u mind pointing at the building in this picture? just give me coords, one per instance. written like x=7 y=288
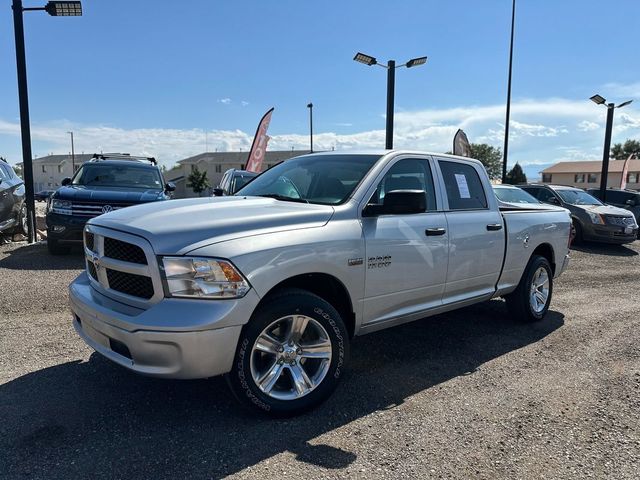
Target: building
x=216 y=163
x=49 y=171
x=587 y=174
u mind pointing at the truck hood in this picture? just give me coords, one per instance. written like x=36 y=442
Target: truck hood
x=176 y=227
x=107 y=194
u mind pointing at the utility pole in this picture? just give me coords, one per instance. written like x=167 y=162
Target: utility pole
x=310 y=107
x=506 y=123
x=73 y=156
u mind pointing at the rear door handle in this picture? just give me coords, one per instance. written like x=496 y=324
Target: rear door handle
x=432 y=232
x=494 y=226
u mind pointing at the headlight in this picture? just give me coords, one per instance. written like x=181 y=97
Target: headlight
x=200 y=277
x=596 y=218
x=60 y=206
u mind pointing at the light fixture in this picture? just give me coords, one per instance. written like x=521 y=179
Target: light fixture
x=64 y=9
x=414 y=62
x=624 y=104
x=597 y=99
x=366 y=59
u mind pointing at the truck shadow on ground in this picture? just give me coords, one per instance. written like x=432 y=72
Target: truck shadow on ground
x=95 y=420
x=605 y=249
x=23 y=256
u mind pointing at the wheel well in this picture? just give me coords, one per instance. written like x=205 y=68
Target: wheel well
x=326 y=286
x=545 y=250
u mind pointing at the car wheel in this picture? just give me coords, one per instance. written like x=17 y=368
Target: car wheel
x=578 y=238
x=530 y=301
x=291 y=354
x=55 y=248
x=22 y=226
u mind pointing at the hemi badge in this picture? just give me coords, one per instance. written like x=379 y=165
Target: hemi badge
x=354 y=261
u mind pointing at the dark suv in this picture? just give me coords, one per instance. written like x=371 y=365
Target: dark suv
x=13 y=210
x=592 y=219
x=627 y=199
x=105 y=183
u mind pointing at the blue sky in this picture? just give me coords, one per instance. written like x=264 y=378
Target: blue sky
x=151 y=77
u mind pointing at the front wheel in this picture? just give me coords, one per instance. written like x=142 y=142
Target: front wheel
x=291 y=354
x=530 y=301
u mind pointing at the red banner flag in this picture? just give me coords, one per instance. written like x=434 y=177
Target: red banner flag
x=625 y=171
x=259 y=147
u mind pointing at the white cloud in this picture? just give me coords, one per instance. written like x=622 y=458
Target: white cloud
x=226 y=101
x=623 y=90
x=244 y=103
x=587 y=126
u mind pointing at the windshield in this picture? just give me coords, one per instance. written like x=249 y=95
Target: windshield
x=514 y=195
x=578 y=197
x=323 y=179
x=241 y=181
x=109 y=175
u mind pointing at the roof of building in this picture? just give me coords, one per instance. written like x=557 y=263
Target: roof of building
x=591 y=167
x=241 y=157
x=57 y=159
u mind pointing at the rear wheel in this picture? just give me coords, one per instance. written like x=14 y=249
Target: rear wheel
x=290 y=355
x=530 y=301
x=55 y=248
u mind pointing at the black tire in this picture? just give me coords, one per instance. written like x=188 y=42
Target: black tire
x=281 y=305
x=519 y=302
x=21 y=227
x=578 y=238
x=55 y=248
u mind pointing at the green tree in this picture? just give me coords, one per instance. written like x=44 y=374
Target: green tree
x=516 y=175
x=622 y=152
x=198 y=181
x=491 y=158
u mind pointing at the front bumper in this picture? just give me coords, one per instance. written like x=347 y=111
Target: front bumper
x=610 y=234
x=73 y=227
x=175 y=338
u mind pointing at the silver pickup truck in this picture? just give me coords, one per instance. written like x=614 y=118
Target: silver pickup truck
x=269 y=286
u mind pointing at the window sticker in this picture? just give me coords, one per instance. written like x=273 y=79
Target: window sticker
x=463 y=187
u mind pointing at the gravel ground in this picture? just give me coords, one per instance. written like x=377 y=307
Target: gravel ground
x=469 y=394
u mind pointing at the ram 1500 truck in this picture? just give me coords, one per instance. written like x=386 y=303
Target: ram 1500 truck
x=269 y=286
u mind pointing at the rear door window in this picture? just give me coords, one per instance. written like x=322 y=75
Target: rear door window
x=463 y=186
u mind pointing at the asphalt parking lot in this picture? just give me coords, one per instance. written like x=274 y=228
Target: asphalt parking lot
x=470 y=394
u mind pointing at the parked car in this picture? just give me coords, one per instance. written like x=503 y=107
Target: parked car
x=43 y=195
x=592 y=219
x=105 y=183
x=627 y=199
x=512 y=196
x=269 y=286
x=13 y=209
x=232 y=181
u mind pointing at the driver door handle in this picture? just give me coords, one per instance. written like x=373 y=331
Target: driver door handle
x=432 y=232
x=494 y=226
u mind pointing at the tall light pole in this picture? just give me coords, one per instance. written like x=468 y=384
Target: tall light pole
x=506 y=123
x=310 y=107
x=391 y=85
x=604 y=174
x=73 y=156
x=56 y=9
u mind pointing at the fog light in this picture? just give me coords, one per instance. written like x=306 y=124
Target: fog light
x=59 y=228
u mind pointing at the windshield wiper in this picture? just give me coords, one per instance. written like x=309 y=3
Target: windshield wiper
x=284 y=198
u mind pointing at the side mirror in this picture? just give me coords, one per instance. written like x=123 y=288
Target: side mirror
x=169 y=187
x=631 y=202
x=398 y=202
x=65 y=181
x=218 y=192
x=553 y=200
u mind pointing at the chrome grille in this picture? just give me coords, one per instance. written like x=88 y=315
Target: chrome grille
x=622 y=221
x=123 y=251
x=93 y=209
x=122 y=266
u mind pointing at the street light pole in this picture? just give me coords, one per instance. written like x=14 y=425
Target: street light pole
x=25 y=129
x=56 y=9
x=73 y=156
x=508 y=115
x=310 y=107
x=604 y=174
x=391 y=85
x=391 y=90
